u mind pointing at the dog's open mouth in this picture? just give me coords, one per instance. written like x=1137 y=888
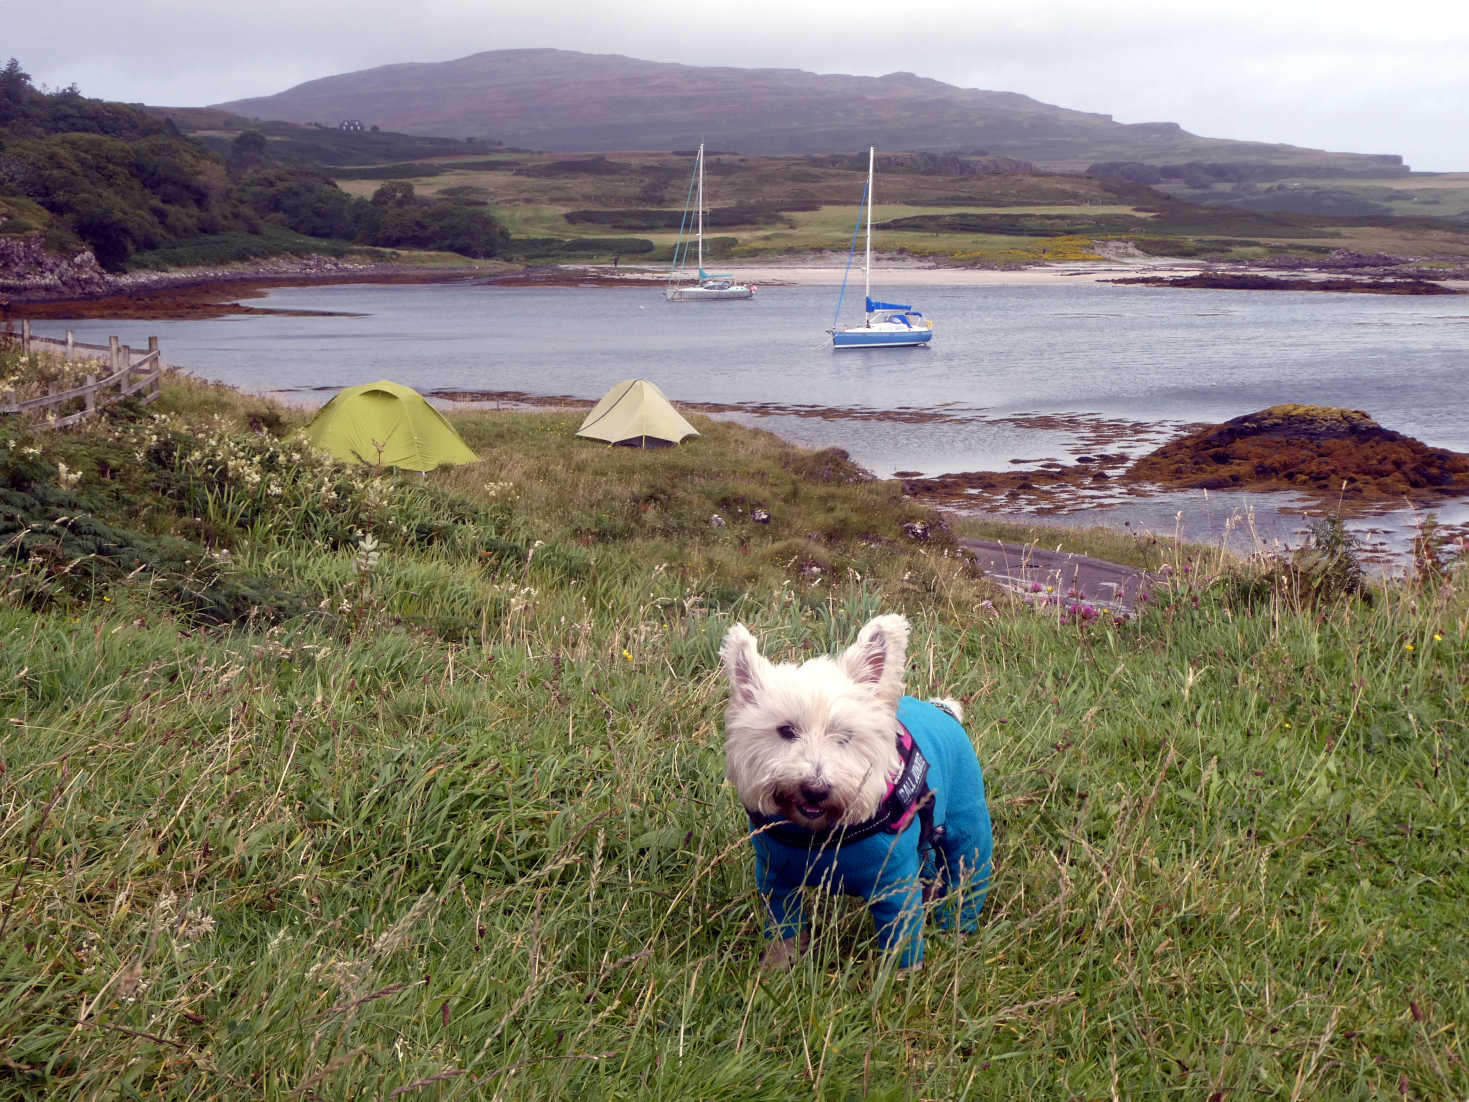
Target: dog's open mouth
x=812 y=812
x=809 y=813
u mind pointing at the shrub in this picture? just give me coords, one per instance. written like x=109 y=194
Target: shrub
x=1327 y=567
x=55 y=549
x=1435 y=554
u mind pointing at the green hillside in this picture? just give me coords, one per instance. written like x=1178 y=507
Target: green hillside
x=134 y=190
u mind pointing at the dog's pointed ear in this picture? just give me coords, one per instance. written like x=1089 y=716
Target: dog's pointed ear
x=879 y=655
x=743 y=664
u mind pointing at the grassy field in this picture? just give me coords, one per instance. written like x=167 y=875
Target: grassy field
x=1417 y=195
x=325 y=783
x=815 y=202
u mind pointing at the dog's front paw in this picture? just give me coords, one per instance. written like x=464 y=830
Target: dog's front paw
x=779 y=954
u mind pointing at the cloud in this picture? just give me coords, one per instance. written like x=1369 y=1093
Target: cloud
x=1348 y=75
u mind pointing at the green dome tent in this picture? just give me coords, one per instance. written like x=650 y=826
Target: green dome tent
x=635 y=412
x=386 y=423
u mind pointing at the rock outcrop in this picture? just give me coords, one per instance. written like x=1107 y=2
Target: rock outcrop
x=28 y=268
x=1316 y=449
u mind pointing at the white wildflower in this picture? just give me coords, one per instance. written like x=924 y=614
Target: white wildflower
x=194 y=925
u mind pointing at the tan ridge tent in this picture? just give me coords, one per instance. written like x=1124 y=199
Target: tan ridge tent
x=635 y=412
x=388 y=424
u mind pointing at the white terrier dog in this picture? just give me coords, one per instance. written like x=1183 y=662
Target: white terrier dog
x=853 y=787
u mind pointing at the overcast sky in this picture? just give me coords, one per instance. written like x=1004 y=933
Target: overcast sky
x=1343 y=75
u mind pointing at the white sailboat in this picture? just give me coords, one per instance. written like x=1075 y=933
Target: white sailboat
x=886 y=324
x=707 y=286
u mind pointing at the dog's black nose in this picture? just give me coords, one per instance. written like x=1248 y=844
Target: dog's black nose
x=815 y=793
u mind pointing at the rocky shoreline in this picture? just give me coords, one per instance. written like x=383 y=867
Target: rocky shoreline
x=1254 y=281
x=188 y=293
x=1336 y=456
x=31 y=277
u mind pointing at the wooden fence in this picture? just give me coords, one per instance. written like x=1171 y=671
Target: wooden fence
x=126 y=376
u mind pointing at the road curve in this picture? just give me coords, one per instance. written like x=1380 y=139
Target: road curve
x=1026 y=568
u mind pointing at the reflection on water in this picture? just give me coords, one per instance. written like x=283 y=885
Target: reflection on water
x=1250 y=523
x=887 y=447
x=1023 y=372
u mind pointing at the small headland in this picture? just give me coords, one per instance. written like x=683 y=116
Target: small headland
x=190 y=303
x=189 y=295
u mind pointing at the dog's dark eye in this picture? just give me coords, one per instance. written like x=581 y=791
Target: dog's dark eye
x=842 y=737
x=787 y=732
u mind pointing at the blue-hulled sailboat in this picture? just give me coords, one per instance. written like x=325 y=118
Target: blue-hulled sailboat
x=886 y=324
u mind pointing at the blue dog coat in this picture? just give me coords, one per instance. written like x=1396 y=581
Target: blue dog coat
x=886 y=860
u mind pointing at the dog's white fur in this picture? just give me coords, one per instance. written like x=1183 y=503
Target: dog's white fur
x=814 y=742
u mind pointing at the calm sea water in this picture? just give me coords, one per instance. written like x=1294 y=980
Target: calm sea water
x=1006 y=362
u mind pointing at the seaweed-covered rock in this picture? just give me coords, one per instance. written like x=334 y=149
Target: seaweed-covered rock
x=1318 y=449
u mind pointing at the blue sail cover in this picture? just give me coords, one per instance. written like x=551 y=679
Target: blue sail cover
x=871 y=306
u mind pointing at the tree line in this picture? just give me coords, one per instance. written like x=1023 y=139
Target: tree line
x=120 y=182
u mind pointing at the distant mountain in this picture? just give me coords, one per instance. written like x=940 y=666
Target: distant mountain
x=560 y=101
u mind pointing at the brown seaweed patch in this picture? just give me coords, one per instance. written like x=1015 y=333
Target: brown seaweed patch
x=1325 y=451
x=1245 y=281
x=1046 y=484
x=1053 y=487
x=1090 y=431
x=191 y=299
x=905 y=416
x=194 y=303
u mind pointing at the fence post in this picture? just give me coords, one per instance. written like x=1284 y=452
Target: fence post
x=112 y=353
x=71 y=346
x=91 y=394
x=25 y=336
x=127 y=368
x=157 y=369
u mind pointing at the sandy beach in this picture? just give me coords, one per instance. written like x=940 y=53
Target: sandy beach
x=904 y=271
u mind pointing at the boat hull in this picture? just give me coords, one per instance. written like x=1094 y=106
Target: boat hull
x=880 y=337
x=734 y=292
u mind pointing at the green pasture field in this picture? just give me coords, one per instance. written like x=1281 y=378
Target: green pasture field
x=326 y=782
x=828 y=229
x=533 y=201
x=1417 y=195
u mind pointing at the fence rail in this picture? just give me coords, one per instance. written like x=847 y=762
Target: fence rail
x=129 y=374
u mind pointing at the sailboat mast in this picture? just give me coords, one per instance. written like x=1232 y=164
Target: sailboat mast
x=700 y=233
x=867 y=264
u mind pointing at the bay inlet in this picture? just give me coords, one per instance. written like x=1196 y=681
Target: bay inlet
x=1017 y=375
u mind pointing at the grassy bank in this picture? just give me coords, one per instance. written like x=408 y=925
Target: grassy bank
x=324 y=784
